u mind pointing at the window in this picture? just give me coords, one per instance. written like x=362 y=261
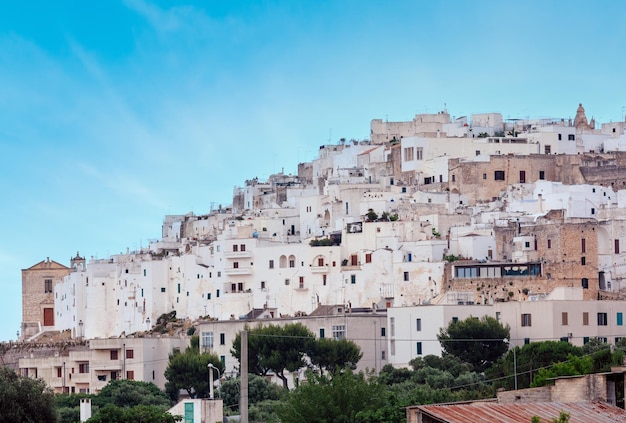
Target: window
x=262 y=284
x=477 y=152
x=571 y=137
x=585 y=318
x=179 y=288
x=382 y=355
x=235 y=265
x=207 y=340
x=59 y=372
x=83 y=368
x=406 y=276
x=527 y=244
x=292 y=263
x=585 y=283
x=383 y=331
x=526 y=319
x=522 y=176
x=392 y=325
x=418 y=153
x=324 y=280
x=484 y=176
x=219 y=273
x=564 y=339
x=368 y=257
x=47 y=286
x=235 y=247
x=162 y=289
x=339 y=332
x=586 y=340
x=526 y=341
x=560 y=137
x=542 y=175
x=353 y=279
x=222 y=339
x=547 y=149
x=616 y=246
x=242 y=247
x=453 y=178
x=130 y=375
x=409 y=154
x=564 y=318
x=320 y=262
x=602 y=319
x=418 y=325
x=113 y=355
x=271 y=264
x=583 y=245
x=549 y=243
x=583 y=261
x=392 y=347
x=287 y=282
x=499 y=175
x=419 y=348
x=130 y=354
x=455 y=320
x=322 y=332
x=301 y=282
x=620 y=318
x=217 y=293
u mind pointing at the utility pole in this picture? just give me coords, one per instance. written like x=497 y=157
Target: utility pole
x=243 y=400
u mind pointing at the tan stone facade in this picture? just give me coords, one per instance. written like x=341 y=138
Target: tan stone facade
x=38 y=283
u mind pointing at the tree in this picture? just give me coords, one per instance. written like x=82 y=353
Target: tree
x=189 y=371
x=339 y=399
x=130 y=393
x=140 y=413
x=23 y=399
x=334 y=355
x=479 y=342
x=276 y=348
x=259 y=389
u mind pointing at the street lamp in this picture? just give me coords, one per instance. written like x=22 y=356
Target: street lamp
x=219 y=375
x=514 y=361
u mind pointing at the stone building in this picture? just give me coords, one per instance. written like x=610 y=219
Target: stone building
x=38 y=282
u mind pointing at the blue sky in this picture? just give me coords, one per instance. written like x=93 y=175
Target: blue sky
x=114 y=114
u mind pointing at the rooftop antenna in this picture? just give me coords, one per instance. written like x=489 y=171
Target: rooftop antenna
x=445 y=108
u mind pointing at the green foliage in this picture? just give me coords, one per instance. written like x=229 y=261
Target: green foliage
x=23 y=399
x=529 y=358
x=573 y=366
x=340 y=399
x=334 y=355
x=191 y=330
x=130 y=393
x=276 y=348
x=483 y=135
x=479 y=342
x=139 y=413
x=322 y=242
x=189 y=371
x=435 y=233
x=393 y=217
x=371 y=215
x=451 y=257
x=259 y=390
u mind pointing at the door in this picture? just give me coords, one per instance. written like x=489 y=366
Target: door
x=48 y=317
x=522 y=176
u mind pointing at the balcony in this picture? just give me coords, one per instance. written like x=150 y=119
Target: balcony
x=239 y=271
x=238 y=254
x=319 y=269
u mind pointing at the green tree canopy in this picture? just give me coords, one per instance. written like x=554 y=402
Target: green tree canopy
x=479 y=342
x=333 y=355
x=338 y=399
x=189 y=371
x=276 y=348
x=129 y=393
x=259 y=389
x=139 y=413
x=25 y=400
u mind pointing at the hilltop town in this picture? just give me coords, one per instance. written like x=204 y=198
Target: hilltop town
x=382 y=241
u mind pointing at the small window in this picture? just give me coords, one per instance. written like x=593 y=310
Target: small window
x=368 y=257
x=162 y=289
x=526 y=319
x=549 y=243
x=353 y=279
x=620 y=318
x=419 y=348
x=585 y=318
x=83 y=368
x=235 y=247
x=560 y=137
x=499 y=175
x=583 y=261
x=548 y=149
x=585 y=283
x=406 y=276
x=47 y=283
x=583 y=245
x=585 y=340
x=564 y=318
x=455 y=320
x=616 y=246
x=130 y=354
x=113 y=355
x=222 y=339
x=271 y=264
x=383 y=331
x=526 y=341
x=484 y=176
x=571 y=137
x=602 y=319
x=418 y=325
x=130 y=375
x=453 y=178
x=542 y=175
x=322 y=332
